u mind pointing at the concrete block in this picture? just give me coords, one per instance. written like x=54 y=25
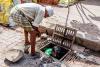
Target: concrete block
x=87 y=40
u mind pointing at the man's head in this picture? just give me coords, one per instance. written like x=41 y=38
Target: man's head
x=48 y=11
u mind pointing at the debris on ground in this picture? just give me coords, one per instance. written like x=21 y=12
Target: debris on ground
x=87 y=57
x=14 y=55
x=94 y=59
x=54 y=64
x=36 y=61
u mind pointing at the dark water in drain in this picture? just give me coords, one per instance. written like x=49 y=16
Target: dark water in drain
x=61 y=51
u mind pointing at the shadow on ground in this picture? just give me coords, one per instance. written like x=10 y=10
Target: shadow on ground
x=89 y=28
x=95 y=18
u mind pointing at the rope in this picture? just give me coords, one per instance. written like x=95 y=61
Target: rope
x=81 y=8
x=88 y=10
x=79 y=13
x=67 y=14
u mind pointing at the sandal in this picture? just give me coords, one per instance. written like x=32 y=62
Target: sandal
x=26 y=49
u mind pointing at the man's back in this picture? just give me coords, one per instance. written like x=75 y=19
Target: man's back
x=29 y=9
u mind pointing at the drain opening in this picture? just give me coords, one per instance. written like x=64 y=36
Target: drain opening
x=54 y=50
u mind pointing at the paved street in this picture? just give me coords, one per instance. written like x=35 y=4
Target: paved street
x=8 y=39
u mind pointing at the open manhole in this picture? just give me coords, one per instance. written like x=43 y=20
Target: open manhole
x=54 y=50
x=60 y=44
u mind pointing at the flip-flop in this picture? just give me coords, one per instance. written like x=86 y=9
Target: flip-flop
x=26 y=49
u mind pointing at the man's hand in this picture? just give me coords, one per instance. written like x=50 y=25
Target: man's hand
x=45 y=30
x=36 y=28
x=42 y=29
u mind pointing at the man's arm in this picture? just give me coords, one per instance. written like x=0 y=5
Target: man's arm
x=38 y=19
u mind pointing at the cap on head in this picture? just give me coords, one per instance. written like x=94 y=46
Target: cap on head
x=49 y=10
